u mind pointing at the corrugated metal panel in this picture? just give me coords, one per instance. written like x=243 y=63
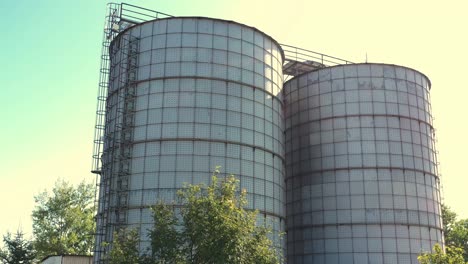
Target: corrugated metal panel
x=77 y=260
x=208 y=93
x=361 y=168
x=53 y=260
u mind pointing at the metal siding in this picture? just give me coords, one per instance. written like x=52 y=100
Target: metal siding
x=77 y=260
x=202 y=100
x=360 y=157
x=53 y=260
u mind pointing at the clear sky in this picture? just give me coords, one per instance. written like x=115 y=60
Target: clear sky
x=49 y=54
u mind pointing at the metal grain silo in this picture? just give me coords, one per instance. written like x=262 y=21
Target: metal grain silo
x=361 y=177
x=186 y=95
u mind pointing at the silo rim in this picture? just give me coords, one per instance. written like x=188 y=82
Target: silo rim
x=210 y=18
x=365 y=63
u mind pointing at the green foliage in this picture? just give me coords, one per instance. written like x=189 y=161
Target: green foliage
x=125 y=248
x=217 y=228
x=455 y=231
x=448 y=218
x=210 y=227
x=453 y=256
x=165 y=239
x=63 y=221
x=458 y=237
x=17 y=249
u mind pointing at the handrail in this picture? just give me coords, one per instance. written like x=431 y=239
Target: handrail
x=304 y=56
x=154 y=11
x=140 y=14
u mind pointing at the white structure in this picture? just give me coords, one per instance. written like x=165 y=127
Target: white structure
x=362 y=183
x=181 y=95
x=68 y=259
x=186 y=95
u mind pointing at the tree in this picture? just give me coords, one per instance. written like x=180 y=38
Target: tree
x=125 y=248
x=455 y=231
x=210 y=227
x=17 y=249
x=453 y=256
x=458 y=237
x=448 y=219
x=63 y=222
x=217 y=228
x=165 y=239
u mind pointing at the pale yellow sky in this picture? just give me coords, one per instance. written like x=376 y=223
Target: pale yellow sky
x=49 y=134
x=429 y=36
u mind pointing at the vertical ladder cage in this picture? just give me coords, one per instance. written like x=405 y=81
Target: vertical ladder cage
x=112 y=146
x=110 y=31
x=119 y=17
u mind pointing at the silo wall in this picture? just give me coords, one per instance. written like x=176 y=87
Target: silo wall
x=187 y=95
x=361 y=177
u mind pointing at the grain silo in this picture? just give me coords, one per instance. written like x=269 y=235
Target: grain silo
x=187 y=94
x=361 y=176
x=181 y=95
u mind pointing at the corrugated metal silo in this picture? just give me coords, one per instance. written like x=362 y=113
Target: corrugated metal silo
x=186 y=95
x=362 y=182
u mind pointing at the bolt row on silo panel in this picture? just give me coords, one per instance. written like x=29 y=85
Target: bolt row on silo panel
x=208 y=93
x=361 y=176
